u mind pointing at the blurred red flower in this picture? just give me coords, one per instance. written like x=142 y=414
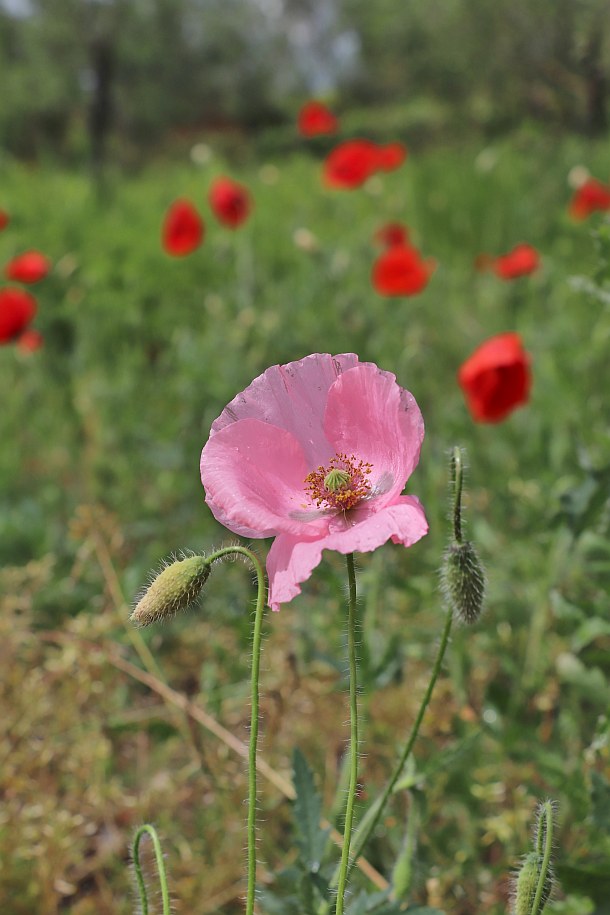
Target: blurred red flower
x=29 y=267
x=230 y=201
x=401 y=270
x=521 y=261
x=17 y=308
x=391 y=156
x=496 y=378
x=29 y=341
x=182 y=230
x=350 y=164
x=590 y=197
x=315 y=118
x=4 y=219
x=392 y=233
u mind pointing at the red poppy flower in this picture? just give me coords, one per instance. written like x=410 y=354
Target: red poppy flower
x=17 y=308
x=230 y=201
x=391 y=156
x=4 y=219
x=521 y=261
x=391 y=234
x=182 y=230
x=29 y=341
x=315 y=118
x=29 y=267
x=590 y=197
x=496 y=378
x=351 y=163
x=401 y=270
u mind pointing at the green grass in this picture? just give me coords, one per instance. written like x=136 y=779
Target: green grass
x=142 y=353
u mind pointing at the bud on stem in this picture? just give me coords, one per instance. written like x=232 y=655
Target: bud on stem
x=534 y=881
x=174 y=589
x=462 y=575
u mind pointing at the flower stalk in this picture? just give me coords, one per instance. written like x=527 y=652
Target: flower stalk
x=148 y=829
x=345 y=864
x=175 y=589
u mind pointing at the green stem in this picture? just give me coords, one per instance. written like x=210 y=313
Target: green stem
x=546 y=824
x=152 y=832
x=353 y=746
x=457 y=482
x=369 y=823
x=254 y=681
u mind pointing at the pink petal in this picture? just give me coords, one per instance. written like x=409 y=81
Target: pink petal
x=253 y=474
x=403 y=521
x=291 y=561
x=370 y=416
x=292 y=397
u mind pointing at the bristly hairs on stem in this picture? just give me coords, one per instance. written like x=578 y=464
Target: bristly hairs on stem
x=177 y=587
x=534 y=881
x=462 y=574
x=148 y=829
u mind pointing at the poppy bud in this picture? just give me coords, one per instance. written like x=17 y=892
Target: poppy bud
x=463 y=581
x=174 y=589
x=533 y=884
x=462 y=573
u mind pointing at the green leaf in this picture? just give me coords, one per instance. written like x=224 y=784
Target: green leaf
x=311 y=838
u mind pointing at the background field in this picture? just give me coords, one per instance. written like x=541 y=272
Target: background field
x=101 y=432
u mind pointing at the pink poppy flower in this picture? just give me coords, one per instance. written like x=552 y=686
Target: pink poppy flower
x=29 y=267
x=316 y=453
x=4 y=219
x=315 y=119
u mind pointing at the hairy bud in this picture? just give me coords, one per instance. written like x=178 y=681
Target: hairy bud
x=463 y=581
x=174 y=589
x=462 y=573
x=533 y=884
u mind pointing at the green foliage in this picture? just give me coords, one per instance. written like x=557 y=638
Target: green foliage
x=311 y=838
x=105 y=426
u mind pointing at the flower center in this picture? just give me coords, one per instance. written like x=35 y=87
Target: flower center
x=341 y=484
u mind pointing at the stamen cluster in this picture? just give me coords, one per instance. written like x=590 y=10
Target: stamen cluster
x=340 y=485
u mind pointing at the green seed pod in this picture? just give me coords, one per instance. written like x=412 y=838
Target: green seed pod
x=463 y=581
x=174 y=589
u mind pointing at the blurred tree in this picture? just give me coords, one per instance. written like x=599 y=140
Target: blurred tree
x=78 y=70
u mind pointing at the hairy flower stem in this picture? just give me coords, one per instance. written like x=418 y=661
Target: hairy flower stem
x=254 y=689
x=544 y=848
x=344 y=866
x=152 y=832
x=369 y=823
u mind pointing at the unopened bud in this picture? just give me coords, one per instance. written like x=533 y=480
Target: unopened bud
x=174 y=589
x=534 y=881
x=463 y=581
